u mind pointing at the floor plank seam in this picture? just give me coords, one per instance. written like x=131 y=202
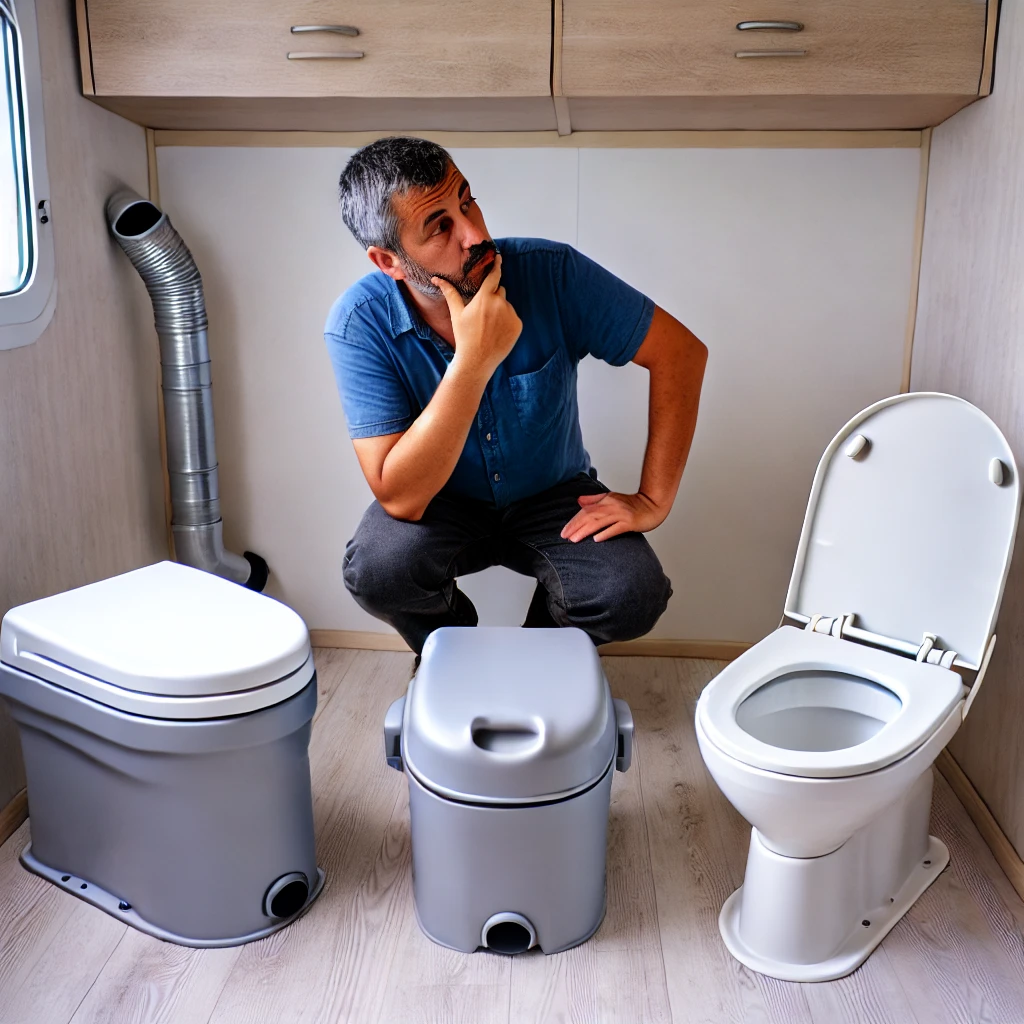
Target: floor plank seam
x=321 y=706
x=883 y=952
x=99 y=974
x=66 y=914
x=650 y=867
x=508 y=1005
x=223 y=989
x=394 y=950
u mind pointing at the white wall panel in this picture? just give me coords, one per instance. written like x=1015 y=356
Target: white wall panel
x=794 y=267
x=264 y=227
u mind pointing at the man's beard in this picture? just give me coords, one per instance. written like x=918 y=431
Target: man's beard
x=419 y=277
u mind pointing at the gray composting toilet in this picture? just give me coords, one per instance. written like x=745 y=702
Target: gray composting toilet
x=165 y=719
x=509 y=738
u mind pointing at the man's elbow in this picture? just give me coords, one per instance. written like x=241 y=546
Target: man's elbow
x=403 y=510
x=700 y=353
x=695 y=348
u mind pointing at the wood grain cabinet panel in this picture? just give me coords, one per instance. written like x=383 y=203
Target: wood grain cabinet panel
x=809 y=64
x=842 y=48
x=467 y=65
x=240 y=48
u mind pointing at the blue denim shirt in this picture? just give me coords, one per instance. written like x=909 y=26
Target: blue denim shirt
x=526 y=437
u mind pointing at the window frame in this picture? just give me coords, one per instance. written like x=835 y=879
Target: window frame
x=25 y=314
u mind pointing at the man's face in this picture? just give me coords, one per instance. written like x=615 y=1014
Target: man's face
x=443 y=235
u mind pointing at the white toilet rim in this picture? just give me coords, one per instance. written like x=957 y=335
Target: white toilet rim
x=926 y=693
x=149 y=705
x=948 y=725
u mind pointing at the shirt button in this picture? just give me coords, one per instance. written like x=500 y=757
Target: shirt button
x=488 y=437
x=497 y=476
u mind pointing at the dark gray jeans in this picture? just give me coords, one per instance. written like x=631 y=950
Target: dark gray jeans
x=404 y=572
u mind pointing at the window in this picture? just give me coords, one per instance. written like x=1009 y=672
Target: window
x=27 y=289
x=15 y=239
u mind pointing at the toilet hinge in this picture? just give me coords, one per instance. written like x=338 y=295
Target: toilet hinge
x=842 y=627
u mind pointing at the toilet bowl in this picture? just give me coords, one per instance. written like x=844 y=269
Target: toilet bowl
x=823 y=737
x=808 y=802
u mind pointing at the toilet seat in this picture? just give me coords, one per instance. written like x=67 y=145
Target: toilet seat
x=927 y=694
x=153 y=705
x=165 y=641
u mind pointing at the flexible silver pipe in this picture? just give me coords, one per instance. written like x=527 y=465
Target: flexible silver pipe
x=172 y=278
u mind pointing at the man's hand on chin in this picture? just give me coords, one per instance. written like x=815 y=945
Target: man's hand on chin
x=604 y=516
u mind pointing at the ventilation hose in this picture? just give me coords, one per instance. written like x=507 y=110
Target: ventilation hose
x=172 y=278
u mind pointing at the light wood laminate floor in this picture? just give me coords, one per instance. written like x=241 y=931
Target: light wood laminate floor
x=676 y=851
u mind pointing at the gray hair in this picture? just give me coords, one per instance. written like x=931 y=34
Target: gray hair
x=375 y=174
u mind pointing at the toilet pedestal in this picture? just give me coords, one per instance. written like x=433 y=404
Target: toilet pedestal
x=818 y=918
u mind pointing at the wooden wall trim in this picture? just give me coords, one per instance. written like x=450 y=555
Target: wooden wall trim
x=154 y=179
x=989 y=60
x=556 y=48
x=1002 y=849
x=716 y=650
x=154 y=197
x=896 y=139
x=915 y=274
x=360 y=640
x=562 y=120
x=12 y=816
x=84 y=48
x=713 y=650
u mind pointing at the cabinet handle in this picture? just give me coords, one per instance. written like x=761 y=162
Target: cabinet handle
x=337 y=55
x=771 y=53
x=774 y=26
x=338 y=30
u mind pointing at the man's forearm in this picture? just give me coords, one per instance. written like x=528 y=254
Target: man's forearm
x=675 y=358
x=421 y=461
x=419 y=465
x=672 y=419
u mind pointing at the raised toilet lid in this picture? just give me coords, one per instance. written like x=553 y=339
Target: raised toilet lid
x=501 y=714
x=913 y=532
x=166 y=640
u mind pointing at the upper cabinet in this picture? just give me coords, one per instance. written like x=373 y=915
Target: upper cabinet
x=318 y=48
x=774 y=64
x=309 y=63
x=534 y=64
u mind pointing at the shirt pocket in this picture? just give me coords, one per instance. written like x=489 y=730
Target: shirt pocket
x=541 y=397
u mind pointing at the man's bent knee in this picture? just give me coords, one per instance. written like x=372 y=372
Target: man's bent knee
x=627 y=597
x=637 y=612
x=379 y=557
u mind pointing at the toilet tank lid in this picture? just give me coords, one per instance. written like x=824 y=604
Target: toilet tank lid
x=165 y=629
x=505 y=715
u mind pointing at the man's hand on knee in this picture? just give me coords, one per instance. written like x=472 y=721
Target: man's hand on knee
x=604 y=516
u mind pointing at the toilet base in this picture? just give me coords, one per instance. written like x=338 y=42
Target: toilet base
x=858 y=946
x=110 y=904
x=819 y=918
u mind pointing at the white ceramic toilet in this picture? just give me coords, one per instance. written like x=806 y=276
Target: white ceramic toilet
x=823 y=737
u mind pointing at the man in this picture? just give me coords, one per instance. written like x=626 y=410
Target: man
x=456 y=362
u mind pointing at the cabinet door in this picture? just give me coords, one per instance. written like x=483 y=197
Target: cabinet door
x=831 y=47
x=415 y=48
